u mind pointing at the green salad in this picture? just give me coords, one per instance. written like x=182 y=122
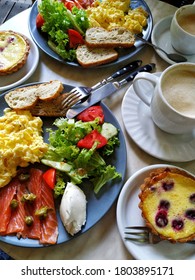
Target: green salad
x=75 y=163
x=57 y=22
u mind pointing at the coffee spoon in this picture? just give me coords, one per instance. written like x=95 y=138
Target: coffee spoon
x=172 y=56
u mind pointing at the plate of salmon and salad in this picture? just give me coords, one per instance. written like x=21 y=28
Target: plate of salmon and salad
x=62 y=30
x=58 y=176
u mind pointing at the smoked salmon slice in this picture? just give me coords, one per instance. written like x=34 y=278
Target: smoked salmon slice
x=49 y=227
x=34 y=186
x=12 y=221
x=16 y=223
x=6 y=195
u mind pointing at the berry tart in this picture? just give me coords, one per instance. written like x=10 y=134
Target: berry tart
x=14 y=51
x=167 y=202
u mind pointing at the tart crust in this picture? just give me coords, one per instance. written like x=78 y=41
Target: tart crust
x=14 y=51
x=176 y=200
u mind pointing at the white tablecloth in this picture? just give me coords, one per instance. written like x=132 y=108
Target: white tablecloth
x=103 y=240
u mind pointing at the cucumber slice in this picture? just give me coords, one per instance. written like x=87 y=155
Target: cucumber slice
x=109 y=130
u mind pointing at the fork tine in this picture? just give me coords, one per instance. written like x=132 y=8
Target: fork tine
x=140 y=240
x=137 y=233
x=70 y=100
x=140 y=236
x=74 y=90
x=137 y=227
x=143 y=234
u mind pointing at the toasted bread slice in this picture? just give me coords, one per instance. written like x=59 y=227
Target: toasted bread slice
x=27 y=97
x=98 y=37
x=50 y=108
x=50 y=90
x=89 y=57
x=22 y=98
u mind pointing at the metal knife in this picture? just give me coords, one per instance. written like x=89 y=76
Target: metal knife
x=105 y=91
x=125 y=69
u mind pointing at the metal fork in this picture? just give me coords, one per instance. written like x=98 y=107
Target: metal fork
x=83 y=92
x=143 y=235
x=67 y=100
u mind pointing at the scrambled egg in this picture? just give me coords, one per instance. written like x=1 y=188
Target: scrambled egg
x=115 y=13
x=21 y=142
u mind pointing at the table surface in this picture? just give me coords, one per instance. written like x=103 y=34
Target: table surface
x=10 y=8
x=103 y=240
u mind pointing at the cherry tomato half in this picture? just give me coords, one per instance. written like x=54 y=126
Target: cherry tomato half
x=91 y=114
x=75 y=38
x=49 y=177
x=39 y=21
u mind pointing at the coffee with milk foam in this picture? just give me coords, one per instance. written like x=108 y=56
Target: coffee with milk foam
x=178 y=88
x=187 y=22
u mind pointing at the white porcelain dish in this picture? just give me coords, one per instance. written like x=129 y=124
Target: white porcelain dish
x=129 y=214
x=162 y=38
x=19 y=77
x=141 y=128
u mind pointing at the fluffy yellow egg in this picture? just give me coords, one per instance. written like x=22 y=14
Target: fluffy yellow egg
x=21 y=142
x=113 y=13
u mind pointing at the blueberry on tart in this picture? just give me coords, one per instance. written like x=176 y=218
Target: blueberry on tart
x=167 y=202
x=14 y=51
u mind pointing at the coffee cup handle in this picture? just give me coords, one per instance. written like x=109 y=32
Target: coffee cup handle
x=139 y=90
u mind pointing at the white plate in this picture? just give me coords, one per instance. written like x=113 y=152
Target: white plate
x=139 y=125
x=129 y=214
x=162 y=38
x=19 y=77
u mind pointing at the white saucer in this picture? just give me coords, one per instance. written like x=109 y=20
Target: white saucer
x=139 y=125
x=162 y=38
x=19 y=77
x=129 y=214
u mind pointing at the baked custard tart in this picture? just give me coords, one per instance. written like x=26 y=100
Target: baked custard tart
x=167 y=202
x=14 y=51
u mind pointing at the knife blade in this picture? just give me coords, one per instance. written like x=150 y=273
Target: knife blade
x=105 y=91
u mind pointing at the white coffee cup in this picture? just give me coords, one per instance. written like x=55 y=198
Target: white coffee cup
x=172 y=101
x=183 y=30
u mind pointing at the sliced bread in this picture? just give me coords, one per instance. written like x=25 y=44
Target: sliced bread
x=50 y=90
x=27 y=97
x=97 y=37
x=88 y=57
x=22 y=98
x=51 y=108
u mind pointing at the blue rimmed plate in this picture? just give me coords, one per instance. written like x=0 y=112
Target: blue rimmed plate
x=124 y=54
x=97 y=206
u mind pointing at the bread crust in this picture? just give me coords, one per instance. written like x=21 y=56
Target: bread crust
x=50 y=108
x=56 y=92
x=20 y=62
x=145 y=188
x=98 y=37
x=27 y=97
x=90 y=57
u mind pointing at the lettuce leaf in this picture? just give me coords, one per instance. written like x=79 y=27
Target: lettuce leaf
x=108 y=173
x=78 y=164
x=58 y=19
